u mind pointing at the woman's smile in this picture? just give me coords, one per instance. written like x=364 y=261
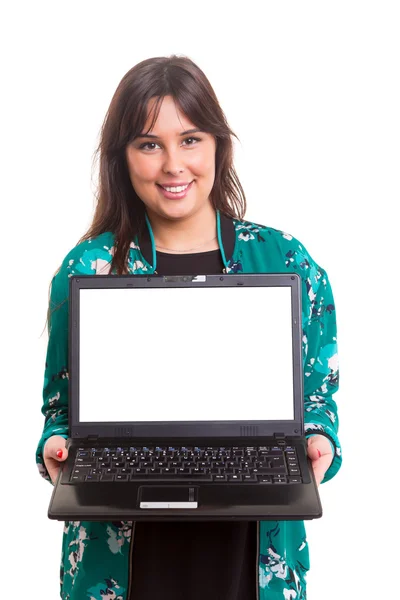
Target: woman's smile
x=172 y=195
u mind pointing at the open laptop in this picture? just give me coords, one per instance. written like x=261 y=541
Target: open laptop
x=186 y=400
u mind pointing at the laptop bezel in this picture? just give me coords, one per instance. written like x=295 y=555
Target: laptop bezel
x=184 y=429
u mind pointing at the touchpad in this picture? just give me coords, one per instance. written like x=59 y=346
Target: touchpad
x=168 y=496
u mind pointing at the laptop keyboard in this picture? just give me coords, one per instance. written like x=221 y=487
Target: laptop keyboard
x=235 y=464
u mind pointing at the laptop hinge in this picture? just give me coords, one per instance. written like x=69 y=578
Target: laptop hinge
x=280 y=439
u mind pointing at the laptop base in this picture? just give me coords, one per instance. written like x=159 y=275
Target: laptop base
x=184 y=500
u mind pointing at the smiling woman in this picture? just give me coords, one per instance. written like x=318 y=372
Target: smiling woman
x=167 y=182
x=165 y=127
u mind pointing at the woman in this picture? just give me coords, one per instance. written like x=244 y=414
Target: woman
x=170 y=202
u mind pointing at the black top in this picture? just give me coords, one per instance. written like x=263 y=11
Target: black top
x=202 y=263
x=194 y=560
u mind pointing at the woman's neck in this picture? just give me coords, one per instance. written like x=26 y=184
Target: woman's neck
x=196 y=233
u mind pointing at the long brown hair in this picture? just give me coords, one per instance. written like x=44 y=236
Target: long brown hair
x=119 y=209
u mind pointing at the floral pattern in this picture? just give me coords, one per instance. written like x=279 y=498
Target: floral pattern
x=95 y=555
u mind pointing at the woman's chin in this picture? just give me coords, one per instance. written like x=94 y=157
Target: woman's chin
x=176 y=210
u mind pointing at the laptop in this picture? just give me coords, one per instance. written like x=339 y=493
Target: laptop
x=185 y=400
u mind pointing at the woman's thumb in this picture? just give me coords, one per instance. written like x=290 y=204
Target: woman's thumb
x=312 y=450
x=55 y=448
x=61 y=454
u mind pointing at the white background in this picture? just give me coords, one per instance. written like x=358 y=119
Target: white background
x=312 y=91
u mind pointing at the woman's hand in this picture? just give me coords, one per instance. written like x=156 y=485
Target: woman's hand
x=320 y=452
x=54 y=453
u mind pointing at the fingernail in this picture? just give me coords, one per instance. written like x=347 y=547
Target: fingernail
x=59 y=453
x=319 y=453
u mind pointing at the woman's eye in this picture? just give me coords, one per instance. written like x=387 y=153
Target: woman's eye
x=146 y=145
x=193 y=138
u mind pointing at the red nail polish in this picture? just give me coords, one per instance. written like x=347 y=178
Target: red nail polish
x=319 y=453
x=59 y=453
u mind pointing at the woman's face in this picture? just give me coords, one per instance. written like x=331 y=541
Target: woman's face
x=165 y=157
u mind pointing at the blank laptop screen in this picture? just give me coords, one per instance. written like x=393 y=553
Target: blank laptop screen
x=185 y=354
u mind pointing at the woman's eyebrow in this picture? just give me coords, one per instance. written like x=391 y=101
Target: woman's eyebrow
x=150 y=135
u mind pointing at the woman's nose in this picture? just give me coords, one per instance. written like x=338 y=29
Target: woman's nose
x=174 y=171
x=173 y=163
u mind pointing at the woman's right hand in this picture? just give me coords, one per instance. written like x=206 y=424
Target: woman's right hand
x=54 y=453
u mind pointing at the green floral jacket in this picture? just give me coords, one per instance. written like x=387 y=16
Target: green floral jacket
x=95 y=558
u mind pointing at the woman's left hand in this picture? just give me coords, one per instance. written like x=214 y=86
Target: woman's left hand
x=320 y=452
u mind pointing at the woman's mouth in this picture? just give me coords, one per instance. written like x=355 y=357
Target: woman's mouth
x=177 y=195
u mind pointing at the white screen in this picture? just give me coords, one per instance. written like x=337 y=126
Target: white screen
x=185 y=354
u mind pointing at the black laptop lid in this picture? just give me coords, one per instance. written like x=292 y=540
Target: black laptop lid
x=213 y=355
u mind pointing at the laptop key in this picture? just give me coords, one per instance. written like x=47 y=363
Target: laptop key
x=92 y=478
x=81 y=471
x=250 y=478
x=82 y=462
x=76 y=478
x=295 y=480
x=277 y=461
x=107 y=477
x=279 y=479
x=272 y=470
x=234 y=478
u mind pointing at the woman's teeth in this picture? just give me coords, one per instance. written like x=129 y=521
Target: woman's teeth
x=175 y=189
